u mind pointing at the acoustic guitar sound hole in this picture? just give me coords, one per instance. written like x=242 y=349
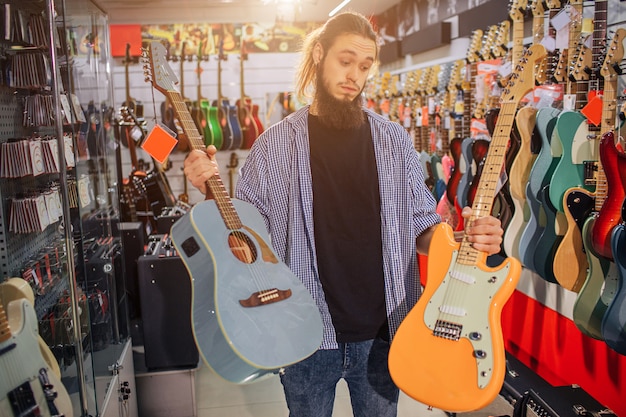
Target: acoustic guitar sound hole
x=242 y=247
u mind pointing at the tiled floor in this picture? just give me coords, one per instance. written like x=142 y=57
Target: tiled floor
x=218 y=398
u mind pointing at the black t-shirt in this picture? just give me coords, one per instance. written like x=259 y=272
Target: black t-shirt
x=346 y=213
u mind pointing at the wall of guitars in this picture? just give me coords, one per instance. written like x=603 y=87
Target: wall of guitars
x=560 y=196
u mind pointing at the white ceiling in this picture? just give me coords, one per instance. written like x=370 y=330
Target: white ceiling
x=230 y=11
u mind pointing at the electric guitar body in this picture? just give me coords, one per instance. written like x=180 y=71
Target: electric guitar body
x=571 y=262
x=548 y=241
x=597 y=290
x=545 y=122
x=455 y=325
x=28 y=387
x=518 y=178
x=479 y=152
x=15 y=289
x=455 y=174
x=609 y=216
x=449 y=372
x=614 y=320
x=468 y=172
x=573 y=132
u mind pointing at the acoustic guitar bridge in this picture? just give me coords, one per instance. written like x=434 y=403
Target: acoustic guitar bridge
x=264 y=297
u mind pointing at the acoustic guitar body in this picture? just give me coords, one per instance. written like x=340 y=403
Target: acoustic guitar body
x=242 y=343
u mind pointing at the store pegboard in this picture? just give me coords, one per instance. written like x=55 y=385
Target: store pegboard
x=17 y=249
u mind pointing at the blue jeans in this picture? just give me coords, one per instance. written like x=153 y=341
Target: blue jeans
x=309 y=385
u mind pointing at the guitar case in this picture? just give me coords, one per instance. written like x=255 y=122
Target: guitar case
x=533 y=396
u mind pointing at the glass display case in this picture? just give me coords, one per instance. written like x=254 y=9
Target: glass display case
x=60 y=245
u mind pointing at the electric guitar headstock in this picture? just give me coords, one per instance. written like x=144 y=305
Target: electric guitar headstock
x=538 y=9
x=473 y=55
x=522 y=80
x=489 y=38
x=503 y=36
x=610 y=71
x=517 y=10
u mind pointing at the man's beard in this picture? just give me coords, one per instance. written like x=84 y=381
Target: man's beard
x=338 y=114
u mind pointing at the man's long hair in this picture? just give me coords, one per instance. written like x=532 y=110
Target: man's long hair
x=341 y=24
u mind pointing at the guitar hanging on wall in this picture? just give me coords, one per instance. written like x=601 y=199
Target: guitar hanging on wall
x=205 y=115
x=228 y=118
x=455 y=325
x=250 y=315
x=136 y=107
x=251 y=125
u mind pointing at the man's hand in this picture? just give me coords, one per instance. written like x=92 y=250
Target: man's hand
x=199 y=166
x=484 y=233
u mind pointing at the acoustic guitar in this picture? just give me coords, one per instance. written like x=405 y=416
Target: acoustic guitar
x=455 y=325
x=204 y=114
x=250 y=123
x=228 y=118
x=251 y=315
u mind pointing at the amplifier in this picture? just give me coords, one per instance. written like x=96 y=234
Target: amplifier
x=169 y=215
x=565 y=401
x=165 y=296
x=133 y=235
x=533 y=396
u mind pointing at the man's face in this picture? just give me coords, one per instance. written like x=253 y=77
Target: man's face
x=347 y=65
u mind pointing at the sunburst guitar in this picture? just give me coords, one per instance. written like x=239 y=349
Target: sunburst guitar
x=250 y=314
x=449 y=351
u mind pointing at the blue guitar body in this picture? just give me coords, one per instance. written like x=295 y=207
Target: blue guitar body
x=468 y=174
x=232 y=115
x=614 y=320
x=545 y=123
x=242 y=343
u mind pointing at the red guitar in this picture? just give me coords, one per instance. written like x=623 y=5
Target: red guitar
x=455 y=325
x=609 y=199
x=251 y=126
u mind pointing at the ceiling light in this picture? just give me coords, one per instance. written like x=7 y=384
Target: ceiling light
x=339 y=7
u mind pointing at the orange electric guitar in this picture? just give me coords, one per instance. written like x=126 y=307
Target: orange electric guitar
x=449 y=350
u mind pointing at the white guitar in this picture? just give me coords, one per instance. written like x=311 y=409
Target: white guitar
x=28 y=387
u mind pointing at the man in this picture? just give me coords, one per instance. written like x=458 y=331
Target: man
x=343 y=197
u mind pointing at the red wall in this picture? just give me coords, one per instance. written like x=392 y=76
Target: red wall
x=552 y=346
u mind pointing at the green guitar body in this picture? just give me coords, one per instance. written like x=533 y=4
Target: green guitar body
x=212 y=132
x=597 y=291
x=573 y=132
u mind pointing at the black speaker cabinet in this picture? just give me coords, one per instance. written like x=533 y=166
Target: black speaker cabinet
x=133 y=235
x=165 y=294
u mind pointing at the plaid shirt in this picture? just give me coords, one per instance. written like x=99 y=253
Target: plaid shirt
x=276 y=179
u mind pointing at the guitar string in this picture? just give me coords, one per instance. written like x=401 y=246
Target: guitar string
x=221 y=196
x=457 y=292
